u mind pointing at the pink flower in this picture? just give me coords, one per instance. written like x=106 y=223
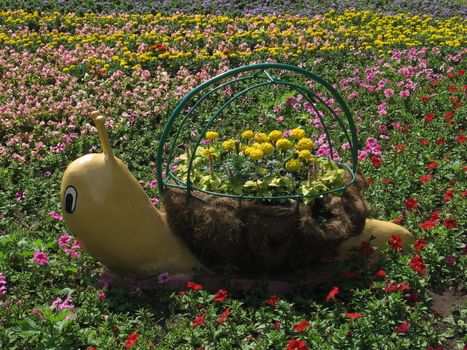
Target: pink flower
x=101 y=294
x=388 y=92
x=56 y=216
x=404 y=93
x=41 y=258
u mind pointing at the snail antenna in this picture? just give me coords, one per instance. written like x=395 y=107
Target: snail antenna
x=99 y=121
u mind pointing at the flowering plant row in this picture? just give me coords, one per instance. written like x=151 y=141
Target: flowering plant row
x=261 y=164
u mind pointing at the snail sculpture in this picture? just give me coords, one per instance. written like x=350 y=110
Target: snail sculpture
x=106 y=208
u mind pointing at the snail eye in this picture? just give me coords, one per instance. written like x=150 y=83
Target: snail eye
x=71 y=197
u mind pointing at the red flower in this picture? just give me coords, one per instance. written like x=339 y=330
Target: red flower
x=402 y=328
x=194 y=286
x=417 y=264
x=366 y=249
x=450 y=223
x=424 y=178
x=452 y=88
x=296 y=344
x=460 y=72
x=388 y=181
x=199 y=321
x=429 y=117
x=450 y=260
x=461 y=139
x=441 y=141
x=273 y=300
x=398 y=220
x=425 y=98
x=433 y=348
x=428 y=224
x=411 y=203
x=435 y=215
x=220 y=295
x=400 y=148
x=413 y=298
x=419 y=244
x=448 y=195
x=376 y=161
x=448 y=115
x=131 y=340
x=276 y=325
x=301 y=326
x=353 y=316
x=423 y=141
x=370 y=181
x=432 y=165
x=396 y=242
x=224 y=315
x=332 y=294
x=379 y=274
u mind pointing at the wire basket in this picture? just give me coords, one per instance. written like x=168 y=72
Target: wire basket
x=241 y=83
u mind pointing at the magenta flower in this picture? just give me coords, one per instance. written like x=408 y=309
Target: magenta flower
x=20 y=196
x=64 y=240
x=56 y=216
x=3 y=289
x=41 y=258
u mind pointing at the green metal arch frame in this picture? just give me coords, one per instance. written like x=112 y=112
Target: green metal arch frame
x=260 y=68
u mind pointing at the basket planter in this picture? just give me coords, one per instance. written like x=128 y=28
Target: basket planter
x=263 y=237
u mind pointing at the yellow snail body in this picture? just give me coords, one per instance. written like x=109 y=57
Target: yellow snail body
x=106 y=208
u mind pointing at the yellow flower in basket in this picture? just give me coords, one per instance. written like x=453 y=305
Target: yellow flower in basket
x=274 y=135
x=248 y=134
x=229 y=145
x=305 y=155
x=297 y=133
x=304 y=144
x=293 y=165
x=212 y=135
x=283 y=144
x=210 y=152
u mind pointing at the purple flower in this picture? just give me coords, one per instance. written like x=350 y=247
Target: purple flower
x=163 y=278
x=20 y=196
x=3 y=288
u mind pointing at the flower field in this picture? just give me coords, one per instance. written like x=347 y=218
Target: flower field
x=401 y=72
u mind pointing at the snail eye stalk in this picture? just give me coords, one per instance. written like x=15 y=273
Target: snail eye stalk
x=71 y=198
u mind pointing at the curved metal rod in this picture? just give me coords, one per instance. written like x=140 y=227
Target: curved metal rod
x=261 y=66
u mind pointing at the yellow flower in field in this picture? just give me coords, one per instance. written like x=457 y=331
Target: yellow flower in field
x=274 y=135
x=248 y=134
x=305 y=155
x=303 y=144
x=212 y=135
x=283 y=144
x=261 y=137
x=267 y=148
x=210 y=152
x=255 y=153
x=297 y=133
x=246 y=150
x=229 y=145
x=293 y=165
